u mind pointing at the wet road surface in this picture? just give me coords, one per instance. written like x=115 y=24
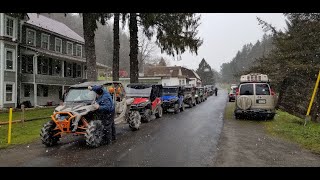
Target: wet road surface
x=188 y=138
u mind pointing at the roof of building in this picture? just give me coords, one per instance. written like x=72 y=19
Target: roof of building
x=189 y=73
x=53 y=25
x=162 y=71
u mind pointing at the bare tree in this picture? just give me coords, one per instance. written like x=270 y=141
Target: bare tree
x=158 y=61
x=146 y=50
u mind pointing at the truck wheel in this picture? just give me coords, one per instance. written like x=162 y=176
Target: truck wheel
x=159 y=113
x=47 y=133
x=238 y=116
x=94 y=133
x=134 y=120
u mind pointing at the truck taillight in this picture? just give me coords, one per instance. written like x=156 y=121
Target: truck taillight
x=272 y=92
x=237 y=91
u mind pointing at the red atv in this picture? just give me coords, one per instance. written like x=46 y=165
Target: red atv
x=146 y=102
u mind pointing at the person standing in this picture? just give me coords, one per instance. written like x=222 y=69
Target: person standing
x=105 y=111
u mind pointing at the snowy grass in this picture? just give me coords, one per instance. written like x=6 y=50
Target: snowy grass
x=29 y=114
x=21 y=133
x=292 y=128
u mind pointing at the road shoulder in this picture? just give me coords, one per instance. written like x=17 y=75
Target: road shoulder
x=246 y=143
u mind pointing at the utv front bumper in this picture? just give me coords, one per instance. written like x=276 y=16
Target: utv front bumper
x=168 y=104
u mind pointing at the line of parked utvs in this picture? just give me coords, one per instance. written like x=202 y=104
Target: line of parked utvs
x=134 y=104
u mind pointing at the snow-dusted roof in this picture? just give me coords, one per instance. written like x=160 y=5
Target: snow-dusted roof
x=196 y=74
x=53 y=25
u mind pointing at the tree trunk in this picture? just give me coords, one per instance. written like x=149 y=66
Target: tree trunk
x=89 y=26
x=116 y=47
x=134 y=63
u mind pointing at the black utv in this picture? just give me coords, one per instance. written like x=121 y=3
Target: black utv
x=189 y=96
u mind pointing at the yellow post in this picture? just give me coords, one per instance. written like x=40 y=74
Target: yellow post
x=9 y=129
x=313 y=94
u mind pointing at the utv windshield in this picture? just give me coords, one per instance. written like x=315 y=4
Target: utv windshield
x=169 y=91
x=77 y=95
x=143 y=92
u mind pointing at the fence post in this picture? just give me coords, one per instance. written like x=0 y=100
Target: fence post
x=22 y=113
x=9 y=128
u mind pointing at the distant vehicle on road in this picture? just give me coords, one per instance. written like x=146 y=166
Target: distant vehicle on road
x=232 y=94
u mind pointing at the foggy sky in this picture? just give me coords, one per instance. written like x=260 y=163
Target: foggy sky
x=224 y=34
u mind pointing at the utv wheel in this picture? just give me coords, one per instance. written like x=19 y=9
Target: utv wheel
x=134 y=120
x=159 y=113
x=182 y=108
x=94 y=133
x=47 y=133
x=176 y=108
x=190 y=103
x=147 y=116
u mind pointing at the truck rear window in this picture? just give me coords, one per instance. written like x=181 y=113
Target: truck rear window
x=246 y=89
x=262 y=89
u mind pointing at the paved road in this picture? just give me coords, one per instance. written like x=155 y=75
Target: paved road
x=186 y=139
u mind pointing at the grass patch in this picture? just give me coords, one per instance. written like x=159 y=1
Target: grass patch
x=228 y=113
x=29 y=114
x=292 y=128
x=21 y=133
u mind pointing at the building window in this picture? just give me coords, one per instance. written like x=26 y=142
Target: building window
x=27 y=64
x=38 y=90
x=45 y=41
x=9 y=26
x=57 y=68
x=31 y=37
x=68 y=69
x=79 y=50
x=9 y=59
x=45 y=91
x=69 y=48
x=9 y=92
x=27 y=89
x=58 y=45
x=79 y=69
x=43 y=66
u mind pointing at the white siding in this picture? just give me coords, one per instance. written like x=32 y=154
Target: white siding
x=1 y=73
x=1 y=24
x=170 y=81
